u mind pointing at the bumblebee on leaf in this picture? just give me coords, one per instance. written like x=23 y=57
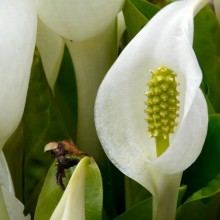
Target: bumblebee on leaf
x=67 y=154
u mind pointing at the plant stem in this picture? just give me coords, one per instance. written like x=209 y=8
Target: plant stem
x=91 y=59
x=165 y=201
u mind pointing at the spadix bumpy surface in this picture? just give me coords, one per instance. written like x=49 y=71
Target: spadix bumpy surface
x=166 y=41
x=76 y=19
x=162 y=106
x=162 y=103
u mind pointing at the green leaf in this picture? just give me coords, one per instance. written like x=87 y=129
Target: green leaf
x=14 y=153
x=207 y=166
x=146 y=8
x=207 y=49
x=182 y=191
x=202 y=205
x=141 y=211
x=204 y=89
x=137 y=13
x=51 y=193
x=93 y=192
x=134 y=193
x=42 y=123
x=66 y=94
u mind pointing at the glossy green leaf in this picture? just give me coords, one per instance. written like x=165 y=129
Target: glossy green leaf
x=66 y=94
x=141 y=211
x=207 y=166
x=14 y=153
x=134 y=193
x=204 y=88
x=182 y=191
x=51 y=193
x=207 y=49
x=93 y=192
x=146 y=8
x=136 y=14
x=42 y=123
x=202 y=205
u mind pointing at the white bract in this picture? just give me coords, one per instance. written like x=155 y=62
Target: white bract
x=14 y=206
x=89 y=29
x=217 y=9
x=18 y=22
x=119 y=112
x=51 y=48
x=5 y=176
x=76 y=19
x=72 y=203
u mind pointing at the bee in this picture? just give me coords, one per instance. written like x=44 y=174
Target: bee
x=67 y=154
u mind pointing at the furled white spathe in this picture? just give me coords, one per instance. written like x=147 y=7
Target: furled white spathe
x=51 y=48
x=18 y=23
x=119 y=112
x=78 y=20
x=72 y=203
x=217 y=9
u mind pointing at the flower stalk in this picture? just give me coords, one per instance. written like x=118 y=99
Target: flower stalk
x=165 y=200
x=92 y=59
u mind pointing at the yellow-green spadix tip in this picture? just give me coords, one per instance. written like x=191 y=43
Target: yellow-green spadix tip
x=162 y=103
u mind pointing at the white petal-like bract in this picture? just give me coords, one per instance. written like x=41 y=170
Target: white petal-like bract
x=119 y=112
x=18 y=24
x=76 y=19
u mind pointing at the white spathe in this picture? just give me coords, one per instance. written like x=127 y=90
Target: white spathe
x=51 y=48
x=119 y=112
x=18 y=24
x=72 y=203
x=217 y=9
x=5 y=176
x=76 y=19
x=14 y=207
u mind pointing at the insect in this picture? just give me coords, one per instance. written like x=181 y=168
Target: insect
x=67 y=155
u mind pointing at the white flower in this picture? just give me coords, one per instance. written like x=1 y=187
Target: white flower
x=17 y=42
x=166 y=41
x=89 y=29
x=78 y=20
x=78 y=201
x=51 y=48
x=18 y=24
x=14 y=206
x=217 y=9
x=72 y=203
